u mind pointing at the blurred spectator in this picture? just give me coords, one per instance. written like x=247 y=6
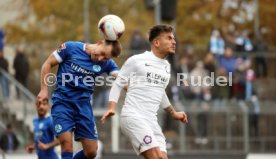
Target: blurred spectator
x=228 y=63
x=216 y=44
x=2 y=35
x=3 y=80
x=243 y=43
x=189 y=54
x=183 y=66
x=239 y=80
x=250 y=77
x=202 y=95
x=199 y=89
x=260 y=48
x=8 y=140
x=220 y=92
x=210 y=63
x=138 y=42
x=252 y=99
x=184 y=74
x=21 y=67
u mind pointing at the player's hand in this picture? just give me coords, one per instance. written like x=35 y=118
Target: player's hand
x=30 y=148
x=110 y=112
x=42 y=95
x=107 y=115
x=182 y=116
x=42 y=146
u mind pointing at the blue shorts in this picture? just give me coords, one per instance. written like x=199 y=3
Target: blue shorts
x=69 y=115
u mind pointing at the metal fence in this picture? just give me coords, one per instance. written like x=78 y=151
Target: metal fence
x=229 y=130
x=18 y=110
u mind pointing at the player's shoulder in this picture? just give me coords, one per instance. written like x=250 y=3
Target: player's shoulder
x=110 y=61
x=138 y=57
x=167 y=62
x=72 y=44
x=107 y=64
x=49 y=118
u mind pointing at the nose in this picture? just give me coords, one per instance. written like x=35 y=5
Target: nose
x=174 y=42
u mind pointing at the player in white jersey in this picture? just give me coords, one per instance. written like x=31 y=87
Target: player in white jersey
x=147 y=75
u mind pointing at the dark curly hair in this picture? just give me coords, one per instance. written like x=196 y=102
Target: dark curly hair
x=156 y=30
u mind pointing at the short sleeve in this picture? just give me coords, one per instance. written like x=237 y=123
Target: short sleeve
x=127 y=69
x=165 y=102
x=112 y=67
x=62 y=52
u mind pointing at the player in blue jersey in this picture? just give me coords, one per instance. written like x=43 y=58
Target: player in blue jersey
x=44 y=136
x=79 y=65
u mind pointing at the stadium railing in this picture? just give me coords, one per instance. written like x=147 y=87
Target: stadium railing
x=23 y=108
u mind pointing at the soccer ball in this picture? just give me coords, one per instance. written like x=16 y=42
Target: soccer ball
x=111 y=27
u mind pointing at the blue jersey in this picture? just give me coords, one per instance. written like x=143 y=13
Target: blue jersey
x=77 y=73
x=44 y=132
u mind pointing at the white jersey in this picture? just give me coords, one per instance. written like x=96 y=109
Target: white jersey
x=147 y=77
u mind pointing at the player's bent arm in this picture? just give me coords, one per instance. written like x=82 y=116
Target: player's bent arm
x=176 y=115
x=116 y=89
x=170 y=110
x=46 y=69
x=113 y=98
x=166 y=105
x=54 y=143
x=44 y=146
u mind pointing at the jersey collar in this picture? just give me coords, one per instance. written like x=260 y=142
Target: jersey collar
x=155 y=57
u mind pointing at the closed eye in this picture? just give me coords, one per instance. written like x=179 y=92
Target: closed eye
x=171 y=38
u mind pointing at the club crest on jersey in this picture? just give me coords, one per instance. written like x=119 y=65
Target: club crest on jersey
x=58 y=128
x=61 y=47
x=97 y=68
x=147 y=139
x=40 y=126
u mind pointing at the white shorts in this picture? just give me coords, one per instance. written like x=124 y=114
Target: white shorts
x=143 y=134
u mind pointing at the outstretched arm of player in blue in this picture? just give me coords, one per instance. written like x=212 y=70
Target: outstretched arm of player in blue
x=45 y=70
x=30 y=148
x=43 y=146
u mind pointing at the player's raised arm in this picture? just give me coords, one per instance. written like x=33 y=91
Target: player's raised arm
x=120 y=83
x=114 y=95
x=45 y=70
x=166 y=105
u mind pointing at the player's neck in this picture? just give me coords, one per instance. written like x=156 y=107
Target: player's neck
x=159 y=54
x=41 y=116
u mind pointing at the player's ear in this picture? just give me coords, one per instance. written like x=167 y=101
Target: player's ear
x=155 y=42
